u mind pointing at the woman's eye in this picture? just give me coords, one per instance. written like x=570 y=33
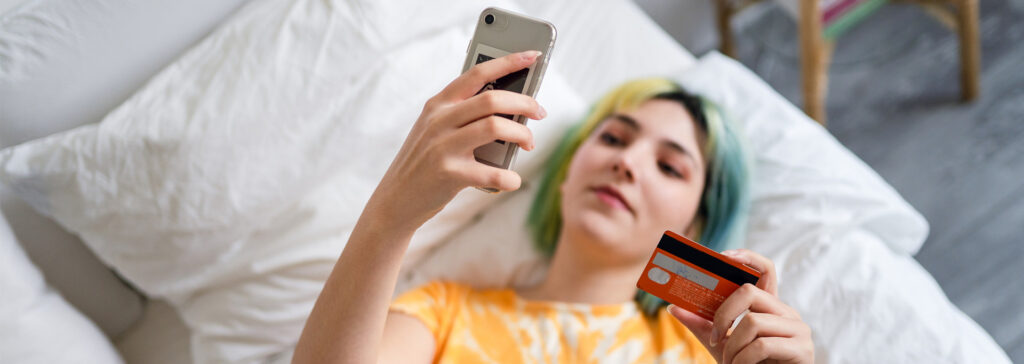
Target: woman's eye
x=610 y=139
x=665 y=167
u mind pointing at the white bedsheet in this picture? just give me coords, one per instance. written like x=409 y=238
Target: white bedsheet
x=37 y=326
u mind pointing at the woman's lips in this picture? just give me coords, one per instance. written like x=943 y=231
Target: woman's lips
x=612 y=198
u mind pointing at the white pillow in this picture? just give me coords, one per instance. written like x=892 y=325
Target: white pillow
x=55 y=78
x=840 y=236
x=36 y=324
x=230 y=182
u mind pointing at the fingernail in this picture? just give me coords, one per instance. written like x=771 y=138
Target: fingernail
x=529 y=56
x=543 y=113
x=729 y=252
x=714 y=337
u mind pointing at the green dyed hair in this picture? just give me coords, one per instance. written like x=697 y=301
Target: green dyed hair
x=722 y=213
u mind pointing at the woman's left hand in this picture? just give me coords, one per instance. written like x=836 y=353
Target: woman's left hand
x=771 y=332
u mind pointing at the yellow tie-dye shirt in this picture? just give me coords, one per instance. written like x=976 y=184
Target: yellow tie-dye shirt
x=498 y=326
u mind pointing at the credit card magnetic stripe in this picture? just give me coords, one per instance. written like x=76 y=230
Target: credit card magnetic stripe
x=705 y=261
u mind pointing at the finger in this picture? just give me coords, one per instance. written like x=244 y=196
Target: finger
x=747 y=297
x=473 y=173
x=699 y=326
x=777 y=348
x=769 y=278
x=490 y=103
x=492 y=128
x=470 y=82
x=755 y=325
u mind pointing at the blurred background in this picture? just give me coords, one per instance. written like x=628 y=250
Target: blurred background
x=894 y=99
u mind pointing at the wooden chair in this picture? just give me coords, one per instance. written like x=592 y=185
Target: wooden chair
x=816 y=45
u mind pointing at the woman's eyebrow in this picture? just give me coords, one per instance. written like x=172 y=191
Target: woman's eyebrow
x=625 y=119
x=679 y=148
x=632 y=123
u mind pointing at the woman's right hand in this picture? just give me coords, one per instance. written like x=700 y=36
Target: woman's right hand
x=436 y=161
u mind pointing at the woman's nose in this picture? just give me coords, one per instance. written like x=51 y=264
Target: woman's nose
x=624 y=168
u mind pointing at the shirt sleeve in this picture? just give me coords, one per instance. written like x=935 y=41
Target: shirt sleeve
x=436 y=304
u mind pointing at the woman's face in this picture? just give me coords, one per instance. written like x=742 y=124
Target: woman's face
x=638 y=174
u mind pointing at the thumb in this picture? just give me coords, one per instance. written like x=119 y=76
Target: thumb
x=699 y=326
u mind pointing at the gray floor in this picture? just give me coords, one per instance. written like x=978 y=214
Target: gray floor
x=894 y=101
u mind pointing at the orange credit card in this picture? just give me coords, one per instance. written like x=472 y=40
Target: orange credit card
x=691 y=276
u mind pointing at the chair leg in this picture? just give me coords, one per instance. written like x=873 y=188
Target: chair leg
x=814 y=60
x=970 y=48
x=725 y=12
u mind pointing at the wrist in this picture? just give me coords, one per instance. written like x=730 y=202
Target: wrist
x=385 y=220
x=372 y=239
x=401 y=209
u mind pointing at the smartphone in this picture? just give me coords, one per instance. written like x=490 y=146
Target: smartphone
x=500 y=32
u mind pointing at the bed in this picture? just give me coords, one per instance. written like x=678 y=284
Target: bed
x=198 y=198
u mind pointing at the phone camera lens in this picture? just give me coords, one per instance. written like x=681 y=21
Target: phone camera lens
x=489 y=19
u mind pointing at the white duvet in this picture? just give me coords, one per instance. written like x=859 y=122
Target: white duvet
x=229 y=183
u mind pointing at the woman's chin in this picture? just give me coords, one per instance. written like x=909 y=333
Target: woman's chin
x=609 y=229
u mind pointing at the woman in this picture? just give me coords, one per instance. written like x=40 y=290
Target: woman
x=636 y=168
